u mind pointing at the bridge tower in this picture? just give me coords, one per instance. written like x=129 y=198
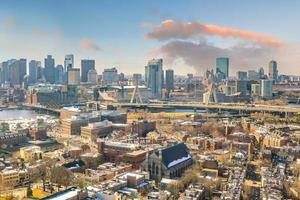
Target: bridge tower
x=211 y=94
x=136 y=96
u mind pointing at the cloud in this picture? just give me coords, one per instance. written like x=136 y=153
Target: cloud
x=202 y=55
x=39 y=32
x=170 y=29
x=10 y=21
x=89 y=45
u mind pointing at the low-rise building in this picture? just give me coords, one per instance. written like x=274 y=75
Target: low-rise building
x=31 y=153
x=142 y=127
x=92 y=131
x=115 y=151
x=10 y=177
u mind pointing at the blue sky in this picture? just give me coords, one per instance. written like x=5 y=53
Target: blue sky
x=115 y=35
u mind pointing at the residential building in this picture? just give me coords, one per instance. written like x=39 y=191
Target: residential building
x=31 y=153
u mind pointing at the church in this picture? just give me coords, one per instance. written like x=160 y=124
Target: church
x=169 y=162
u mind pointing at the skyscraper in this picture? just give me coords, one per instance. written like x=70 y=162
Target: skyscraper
x=86 y=66
x=266 y=88
x=110 y=76
x=261 y=73
x=73 y=76
x=222 y=66
x=169 y=79
x=153 y=76
x=17 y=71
x=49 y=71
x=23 y=69
x=253 y=75
x=69 y=62
x=137 y=78
x=255 y=89
x=33 y=71
x=92 y=76
x=242 y=75
x=273 y=72
x=39 y=72
x=4 y=72
x=59 y=74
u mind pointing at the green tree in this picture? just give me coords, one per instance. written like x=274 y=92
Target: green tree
x=29 y=191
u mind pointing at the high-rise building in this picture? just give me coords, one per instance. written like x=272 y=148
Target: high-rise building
x=92 y=76
x=261 y=73
x=59 y=74
x=222 y=66
x=110 y=76
x=253 y=75
x=169 y=79
x=241 y=86
x=49 y=70
x=14 y=72
x=73 y=76
x=137 y=78
x=121 y=77
x=153 y=77
x=33 y=71
x=4 y=72
x=17 y=71
x=273 y=71
x=86 y=66
x=242 y=75
x=23 y=69
x=266 y=88
x=255 y=89
x=69 y=62
x=39 y=72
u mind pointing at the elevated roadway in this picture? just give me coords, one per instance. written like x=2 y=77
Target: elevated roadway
x=229 y=107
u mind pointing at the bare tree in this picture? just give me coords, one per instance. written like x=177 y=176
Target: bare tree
x=61 y=176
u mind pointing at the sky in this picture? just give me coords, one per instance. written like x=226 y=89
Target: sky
x=187 y=34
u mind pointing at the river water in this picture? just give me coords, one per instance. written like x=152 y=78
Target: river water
x=17 y=114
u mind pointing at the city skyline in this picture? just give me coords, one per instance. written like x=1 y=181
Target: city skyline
x=127 y=38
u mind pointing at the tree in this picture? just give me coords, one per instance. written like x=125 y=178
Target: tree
x=42 y=171
x=190 y=177
x=29 y=191
x=81 y=182
x=61 y=176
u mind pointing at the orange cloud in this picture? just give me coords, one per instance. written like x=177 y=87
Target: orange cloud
x=89 y=45
x=170 y=29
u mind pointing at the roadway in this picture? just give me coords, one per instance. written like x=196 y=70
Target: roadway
x=223 y=106
x=194 y=106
